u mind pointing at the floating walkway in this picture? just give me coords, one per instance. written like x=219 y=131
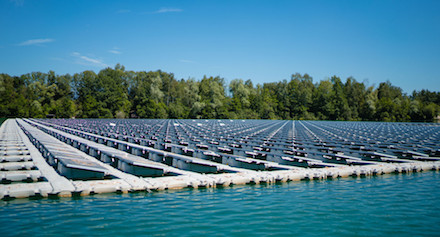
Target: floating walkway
x=63 y=158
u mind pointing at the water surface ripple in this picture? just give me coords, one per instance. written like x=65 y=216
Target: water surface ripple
x=389 y=205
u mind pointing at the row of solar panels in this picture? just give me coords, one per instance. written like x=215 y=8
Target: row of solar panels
x=147 y=157
x=128 y=162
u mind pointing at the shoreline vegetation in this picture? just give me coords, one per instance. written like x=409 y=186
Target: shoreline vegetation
x=118 y=93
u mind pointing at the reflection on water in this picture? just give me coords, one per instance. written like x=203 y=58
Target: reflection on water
x=404 y=205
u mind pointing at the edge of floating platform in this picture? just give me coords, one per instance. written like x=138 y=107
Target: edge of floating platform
x=84 y=188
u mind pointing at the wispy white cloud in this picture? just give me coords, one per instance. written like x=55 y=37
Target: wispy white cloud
x=18 y=3
x=115 y=50
x=87 y=61
x=167 y=10
x=186 y=61
x=36 y=42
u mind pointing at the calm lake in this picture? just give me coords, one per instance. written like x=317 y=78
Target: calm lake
x=389 y=205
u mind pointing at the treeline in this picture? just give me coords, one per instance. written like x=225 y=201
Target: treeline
x=118 y=93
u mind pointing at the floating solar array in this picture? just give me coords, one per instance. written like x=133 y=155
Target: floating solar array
x=64 y=157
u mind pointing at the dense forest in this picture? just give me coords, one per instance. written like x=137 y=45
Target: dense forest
x=118 y=93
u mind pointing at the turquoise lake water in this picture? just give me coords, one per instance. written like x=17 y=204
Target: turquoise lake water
x=389 y=205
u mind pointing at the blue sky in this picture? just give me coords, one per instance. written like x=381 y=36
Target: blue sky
x=264 y=41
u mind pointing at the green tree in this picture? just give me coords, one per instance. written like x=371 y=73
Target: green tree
x=321 y=100
x=339 y=109
x=391 y=105
x=212 y=94
x=301 y=90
